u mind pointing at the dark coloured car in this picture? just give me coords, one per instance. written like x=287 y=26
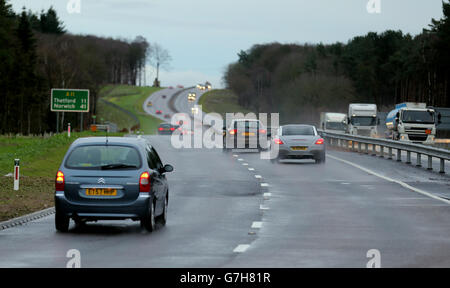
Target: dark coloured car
x=166 y=128
x=110 y=178
x=159 y=112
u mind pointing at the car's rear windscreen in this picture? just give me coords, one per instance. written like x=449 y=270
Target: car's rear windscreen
x=101 y=156
x=298 y=130
x=246 y=124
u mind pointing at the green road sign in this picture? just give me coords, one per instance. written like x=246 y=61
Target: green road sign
x=69 y=100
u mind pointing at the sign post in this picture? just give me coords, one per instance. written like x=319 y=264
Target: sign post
x=16 y=174
x=70 y=100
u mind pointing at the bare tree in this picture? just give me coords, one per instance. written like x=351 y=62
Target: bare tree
x=159 y=58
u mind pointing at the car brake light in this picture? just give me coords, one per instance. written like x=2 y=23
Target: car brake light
x=172 y=129
x=144 y=182
x=233 y=131
x=278 y=141
x=161 y=129
x=59 y=182
x=262 y=131
x=320 y=141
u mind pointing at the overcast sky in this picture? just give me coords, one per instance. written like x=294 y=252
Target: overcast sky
x=204 y=36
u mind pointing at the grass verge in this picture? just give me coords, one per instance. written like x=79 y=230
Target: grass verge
x=40 y=158
x=130 y=98
x=222 y=102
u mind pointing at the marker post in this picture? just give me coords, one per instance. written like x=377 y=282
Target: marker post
x=16 y=174
x=68 y=130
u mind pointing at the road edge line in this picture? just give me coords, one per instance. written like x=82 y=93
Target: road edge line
x=401 y=183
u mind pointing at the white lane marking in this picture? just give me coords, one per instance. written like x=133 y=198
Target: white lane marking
x=240 y=159
x=258 y=176
x=245 y=164
x=235 y=155
x=403 y=184
x=251 y=169
x=262 y=207
x=345 y=183
x=264 y=185
x=267 y=194
x=241 y=248
x=257 y=225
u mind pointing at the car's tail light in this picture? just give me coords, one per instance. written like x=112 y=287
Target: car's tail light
x=233 y=131
x=144 y=182
x=161 y=129
x=262 y=131
x=320 y=141
x=59 y=182
x=278 y=141
x=172 y=129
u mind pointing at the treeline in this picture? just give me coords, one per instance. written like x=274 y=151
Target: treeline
x=299 y=81
x=37 y=54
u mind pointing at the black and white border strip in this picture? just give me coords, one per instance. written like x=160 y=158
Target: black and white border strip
x=26 y=218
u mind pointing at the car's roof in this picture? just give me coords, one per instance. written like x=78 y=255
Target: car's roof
x=111 y=140
x=303 y=125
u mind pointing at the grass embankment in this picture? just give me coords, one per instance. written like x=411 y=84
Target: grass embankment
x=130 y=98
x=222 y=102
x=40 y=158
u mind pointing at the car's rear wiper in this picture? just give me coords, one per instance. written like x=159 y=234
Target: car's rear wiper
x=117 y=166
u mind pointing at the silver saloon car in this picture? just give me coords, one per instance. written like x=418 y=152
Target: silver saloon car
x=110 y=178
x=299 y=142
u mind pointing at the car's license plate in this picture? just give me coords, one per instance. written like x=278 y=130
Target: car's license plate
x=248 y=134
x=299 y=148
x=101 y=192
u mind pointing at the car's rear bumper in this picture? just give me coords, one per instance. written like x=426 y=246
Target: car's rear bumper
x=311 y=153
x=134 y=210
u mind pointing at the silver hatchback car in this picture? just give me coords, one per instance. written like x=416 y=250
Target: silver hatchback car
x=299 y=142
x=110 y=178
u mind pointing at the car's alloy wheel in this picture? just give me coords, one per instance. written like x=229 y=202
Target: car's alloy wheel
x=162 y=219
x=149 y=222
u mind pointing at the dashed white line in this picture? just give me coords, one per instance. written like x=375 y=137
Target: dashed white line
x=251 y=169
x=240 y=159
x=262 y=207
x=258 y=176
x=391 y=180
x=241 y=248
x=257 y=225
x=267 y=194
x=235 y=155
x=245 y=164
x=264 y=185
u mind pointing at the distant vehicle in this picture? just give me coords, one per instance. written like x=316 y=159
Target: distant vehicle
x=166 y=128
x=333 y=122
x=412 y=122
x=167 y=116
x=149 y=104
x=194 y=110
x=110 y=178
x=201 y=87
x=208 y=85
x=299 y=142
x=158 y=112
x=164 y=96
x=180 y=86
x=362 y=120
x=170 y=87
x=192 y=96
x=245 y=134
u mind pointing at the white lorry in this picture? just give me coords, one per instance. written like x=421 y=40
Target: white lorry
x=412 y=122
x=333 y=122
x=362 y=119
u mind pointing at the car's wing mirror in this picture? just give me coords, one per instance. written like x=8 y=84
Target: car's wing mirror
x=167 y=168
